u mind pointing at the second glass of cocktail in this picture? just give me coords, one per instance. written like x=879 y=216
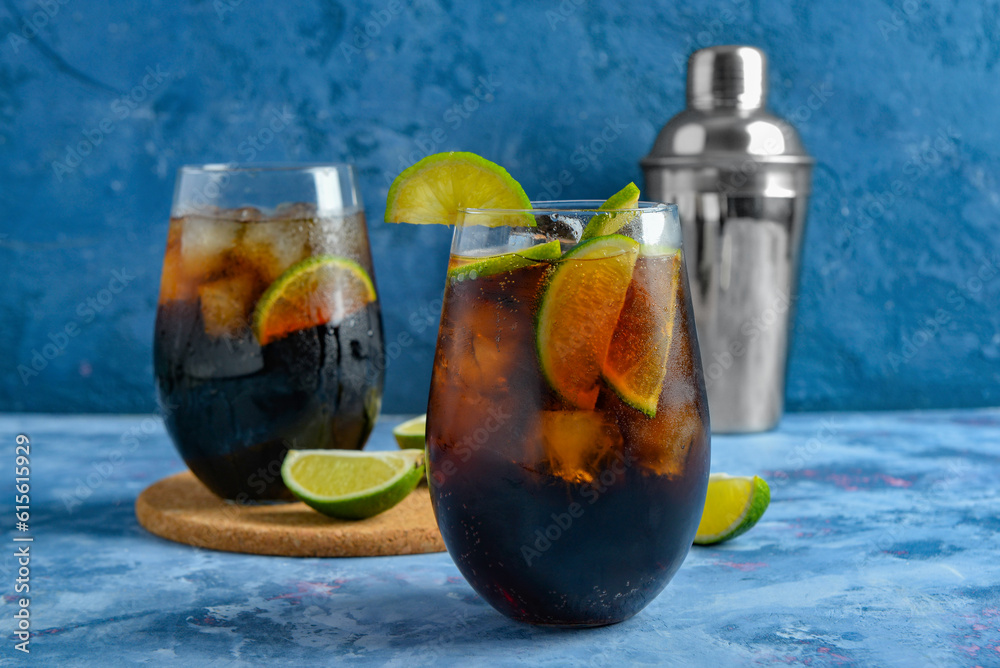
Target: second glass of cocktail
x=268 y=331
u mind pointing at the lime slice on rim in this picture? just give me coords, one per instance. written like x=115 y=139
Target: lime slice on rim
x=352 y=485
x=578 y=314
x=636 y=364
x=608 y=223
x=411 y=434
x=434 y=189
x=317 y=290
x=733 y=505
x=496 y=264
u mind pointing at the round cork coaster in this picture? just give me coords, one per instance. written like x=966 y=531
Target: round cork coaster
x=181 y=509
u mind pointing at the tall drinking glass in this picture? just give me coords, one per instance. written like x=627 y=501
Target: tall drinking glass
x=268 y=330
x=567 y=428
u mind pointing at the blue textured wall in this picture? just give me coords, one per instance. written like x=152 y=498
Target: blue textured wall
x=897 y=100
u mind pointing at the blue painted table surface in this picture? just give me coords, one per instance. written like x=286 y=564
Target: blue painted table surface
x=880 y=547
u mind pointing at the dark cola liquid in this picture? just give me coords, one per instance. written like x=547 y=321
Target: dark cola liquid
x=545 y=551
x=555 y=515
x=234 y=408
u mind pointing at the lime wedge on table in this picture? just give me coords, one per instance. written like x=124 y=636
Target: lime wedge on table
x=579 y=312
x=496 y=264
x=609 y=223
x=411 y=434
x=317 y=290
x=434 y=189
x=732 y=507
x=352 y=485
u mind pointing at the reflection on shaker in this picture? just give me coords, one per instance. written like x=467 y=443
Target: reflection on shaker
x=741 y=180
x=751 y=271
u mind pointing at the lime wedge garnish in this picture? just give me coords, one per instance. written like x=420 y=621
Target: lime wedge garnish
x=411 y=434
x=496 y=264
x=610 y=223
x=637 y=358
x=732 y=507
x=578 y=314
x=352 y=485
x=434 y=189
x=317 y=290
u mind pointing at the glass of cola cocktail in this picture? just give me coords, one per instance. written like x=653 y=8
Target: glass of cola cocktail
x=567 y=428
x=268 y=331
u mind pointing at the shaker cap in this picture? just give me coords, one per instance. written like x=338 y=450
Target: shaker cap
x=726 y=118
x=729 y=77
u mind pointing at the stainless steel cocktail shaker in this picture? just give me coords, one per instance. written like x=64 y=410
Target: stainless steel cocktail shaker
x=741 y=179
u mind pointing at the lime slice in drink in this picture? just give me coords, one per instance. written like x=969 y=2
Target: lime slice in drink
x=657 y=250
x=317 y=290
x=352 y=485
x=411 y=434
x=732 y=507
x=609 y=223
x=434 y=189
x=637 y=358
x=578 y=314
x=496 y=264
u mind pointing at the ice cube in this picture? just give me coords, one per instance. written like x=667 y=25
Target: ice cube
x=340 y=235
x=579 y=444
x=205 y=243
x=226 y=304
x=559 y=226
x=228 y=357
x=295 y=211
x=492 y=359
x=174 y=283
x=273 y=246
x=663 y=444
x=490 y=343
x=246 y=214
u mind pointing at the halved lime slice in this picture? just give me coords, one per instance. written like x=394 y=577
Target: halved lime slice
x=411 y=434
x=352 y=485
x=732 y=507
x=434 y=189
x=578 y=314
x=317 y=290
x=636 y=364
x=496 y=264
x=609 y=223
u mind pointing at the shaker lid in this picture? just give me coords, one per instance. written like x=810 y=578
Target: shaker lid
x=731 y=76
x=726 y=116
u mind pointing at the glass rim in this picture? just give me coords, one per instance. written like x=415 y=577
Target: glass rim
x=570 y=206
x=249 y=167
